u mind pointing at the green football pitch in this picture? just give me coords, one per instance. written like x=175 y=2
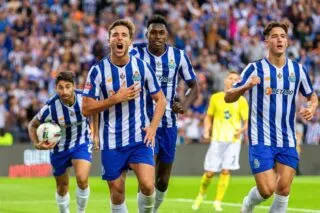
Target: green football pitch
x=36 y=195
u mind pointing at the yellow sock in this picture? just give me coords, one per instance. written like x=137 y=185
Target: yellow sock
x=222 y=186
x=205 y=182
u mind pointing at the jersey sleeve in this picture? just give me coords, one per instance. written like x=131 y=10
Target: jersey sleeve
x=44 y=114
x=244 y=108
x=92 y=86
x=186 y=70
x=245 y=75
x=306 y=85
x=151 y=80
x=211 y=107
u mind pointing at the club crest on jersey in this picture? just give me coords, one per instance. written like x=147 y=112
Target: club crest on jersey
x=136 y=76
x=256 y=163
x=109 y=80
x=227 y=114
x=172 y=65
x=279 y=75
x=122 y=76
x=159 y=64
x=292 y=77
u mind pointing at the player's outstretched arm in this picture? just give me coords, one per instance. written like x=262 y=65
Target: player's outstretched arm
x=95 y=131
x=92 y=106
x=32 y=130
x=308 y=113
x=191 y=96
x=161 y=103
x=234 y=94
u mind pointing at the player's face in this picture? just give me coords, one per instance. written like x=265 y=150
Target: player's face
x=120 y=41
x=65 y=91
x=277 y=41
x=231 y=79
x=157 y=36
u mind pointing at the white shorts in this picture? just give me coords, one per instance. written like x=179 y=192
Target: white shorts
x=222 y=155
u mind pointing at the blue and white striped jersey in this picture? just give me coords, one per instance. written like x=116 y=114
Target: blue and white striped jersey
x=121 y=124
x=167 y=66
x=272 y=103
x=74 y=126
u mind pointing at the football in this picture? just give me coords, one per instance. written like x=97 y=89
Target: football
x=49 y=132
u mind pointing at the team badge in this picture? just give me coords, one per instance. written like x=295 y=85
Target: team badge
x=279 y=75
x=256 y=163
x=122 y=76
x=227 y=114
x=109 y=80
x=136 y=76
x=72 y=113
x=172 y=65
x=159 y=64
x=292 y=77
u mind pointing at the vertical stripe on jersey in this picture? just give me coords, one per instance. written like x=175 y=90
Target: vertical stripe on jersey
x=141 y=53
x=266 y=101
x=273 y=106
x=131 y=105
x=189 y=68
x=68 y=126
x=104 y=116
x=249 y=120
x=292 y=116
x=55 y=119
x=164 y=86
x=142 y=96
x=290 y=105
x=94 y=75
x=118 y=107
x=286 y=86
x=306 y=86
x=177 y=58
x=79 y=120
x=260 y=94
x=44 y=115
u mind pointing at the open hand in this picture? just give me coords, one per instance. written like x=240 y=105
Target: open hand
x=149 y=139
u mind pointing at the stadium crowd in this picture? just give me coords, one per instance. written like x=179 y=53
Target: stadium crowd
x=39 y=38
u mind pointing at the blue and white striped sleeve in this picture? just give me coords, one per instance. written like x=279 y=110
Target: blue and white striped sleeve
x=151 y=80
x=44 y=114
x=133 y=51
x=92 y=86
x=245 y=75
x=305 y=88
x=186 y=70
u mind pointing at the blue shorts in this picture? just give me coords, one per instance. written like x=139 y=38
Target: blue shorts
x=165 y=146
x=60 y=161
x=263 y=158
x=115 y=161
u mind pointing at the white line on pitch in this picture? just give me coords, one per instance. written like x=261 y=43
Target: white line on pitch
x=182 y=200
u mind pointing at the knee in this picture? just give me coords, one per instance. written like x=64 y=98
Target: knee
x=162 y=183
x=117 y=195
x=147 y=187
x=283 y=190
x=209 y=174
x=62 y=188
x=225 y=172
x=82 y=182
x=266 y=191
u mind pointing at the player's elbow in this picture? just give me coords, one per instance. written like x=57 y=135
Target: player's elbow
x=85 y=110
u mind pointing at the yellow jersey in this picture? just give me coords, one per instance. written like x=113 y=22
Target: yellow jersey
x=227 y=117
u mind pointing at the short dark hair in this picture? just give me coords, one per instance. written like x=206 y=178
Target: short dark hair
x=65 y=76
x=123 y=22
x=272 y=25
x=157 y=19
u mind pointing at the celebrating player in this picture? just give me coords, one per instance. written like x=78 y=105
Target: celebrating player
x=167 y=62
x=273 y=84
x=75 y=146
x=224 y=120
x=116 y=88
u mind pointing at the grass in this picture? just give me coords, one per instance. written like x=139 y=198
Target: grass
x=36 y=195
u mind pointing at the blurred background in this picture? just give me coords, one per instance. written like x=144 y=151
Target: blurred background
x=39 y=38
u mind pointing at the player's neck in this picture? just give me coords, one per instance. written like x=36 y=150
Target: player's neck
x=157 y=52
x=277 y=61
x=70 y=102
x=120 y=61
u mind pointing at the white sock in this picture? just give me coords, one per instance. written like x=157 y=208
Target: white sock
x=82 y=198
x=146 y=203
x=158 y=200
x=63 y=202
x=254 y=198
x=121 y=208
x=280 y=204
